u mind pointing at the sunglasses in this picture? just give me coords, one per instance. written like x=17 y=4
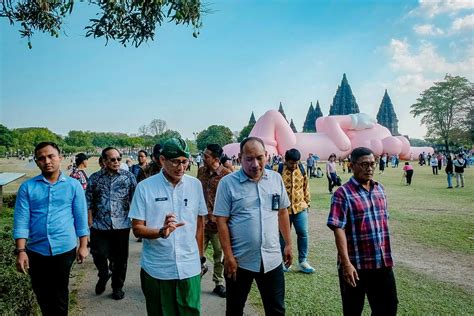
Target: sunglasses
x=176 y=162
x=115 y=159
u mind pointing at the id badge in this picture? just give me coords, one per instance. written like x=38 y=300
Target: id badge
x=276 y=202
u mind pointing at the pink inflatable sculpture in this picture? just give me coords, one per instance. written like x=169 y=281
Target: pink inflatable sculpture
x=337 y=134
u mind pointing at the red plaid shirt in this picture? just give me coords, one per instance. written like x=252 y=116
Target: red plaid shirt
x=364 y=217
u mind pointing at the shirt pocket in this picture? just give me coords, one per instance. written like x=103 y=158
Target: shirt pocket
x=242 y=203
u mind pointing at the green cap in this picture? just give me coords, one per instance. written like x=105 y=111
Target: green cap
x=175 y=147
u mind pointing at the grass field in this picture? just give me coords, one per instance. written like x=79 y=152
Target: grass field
x=432 y=230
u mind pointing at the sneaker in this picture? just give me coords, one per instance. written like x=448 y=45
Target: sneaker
x=219 y=290
x=100 y=286
x=118 y=294
x=286 y=269
x=305 y=267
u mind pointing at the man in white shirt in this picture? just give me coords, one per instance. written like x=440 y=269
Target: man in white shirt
x=167 y=213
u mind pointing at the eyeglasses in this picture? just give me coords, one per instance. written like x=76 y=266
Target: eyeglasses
x=115 y=159
x=366 y=164
x=176 y=162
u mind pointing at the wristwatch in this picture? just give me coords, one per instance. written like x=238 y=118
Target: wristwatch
x=17 y=251
x=161 y=233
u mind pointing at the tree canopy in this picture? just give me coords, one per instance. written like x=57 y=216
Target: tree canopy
x=124 y=21
x=446 y=109
x=214 y=134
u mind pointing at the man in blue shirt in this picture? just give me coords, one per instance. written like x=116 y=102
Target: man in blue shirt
x=251 y=211
x=50 y=214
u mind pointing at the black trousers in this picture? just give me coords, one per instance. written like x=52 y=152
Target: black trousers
x=378 y=284
x=50 y=280
x=409 y=176
x=271 y=286
x=109 y=249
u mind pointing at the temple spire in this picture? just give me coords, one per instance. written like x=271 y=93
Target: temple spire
x=344 y=101
x=387 y=116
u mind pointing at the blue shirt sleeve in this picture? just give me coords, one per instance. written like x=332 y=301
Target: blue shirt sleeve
x=223 y=203
x=79 y=211
x=21 y=217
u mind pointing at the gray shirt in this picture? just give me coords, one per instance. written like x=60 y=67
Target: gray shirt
x=253 y=225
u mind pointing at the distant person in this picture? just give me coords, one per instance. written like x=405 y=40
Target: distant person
x=168 y=212
x=310 y=165
x=78 y=169
x=297 y=188
x=319 y=172
x=109 y=193
x=331 y=172
x=153 y=167
x=198 y=160
x=359 y=220
x=227 y=163
x=142 y=163
x=449 y=170
x=251 y=210
x=382 y=164
x=408 y=170
x=210 y=174
x=50 y=216
x=459 y=164
x=434 y=164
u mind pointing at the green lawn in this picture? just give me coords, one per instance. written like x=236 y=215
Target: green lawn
x=425 y=213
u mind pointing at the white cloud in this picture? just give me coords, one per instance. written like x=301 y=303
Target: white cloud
x=463 y=23
x=427 y=29
x=432 y=8
x=427 y=60
x=412 y=83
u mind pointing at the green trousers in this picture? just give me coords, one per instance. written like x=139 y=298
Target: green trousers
x=213 y=238
x=171 y=297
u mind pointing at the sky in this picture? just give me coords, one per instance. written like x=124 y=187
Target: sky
x=249 y=56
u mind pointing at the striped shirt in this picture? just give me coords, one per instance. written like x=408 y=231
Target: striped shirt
x=364 y=217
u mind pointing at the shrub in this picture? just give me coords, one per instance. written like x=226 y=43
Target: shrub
x=16 y=294
x=9 y=200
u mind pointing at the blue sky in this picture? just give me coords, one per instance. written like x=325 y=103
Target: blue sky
x=249 y=56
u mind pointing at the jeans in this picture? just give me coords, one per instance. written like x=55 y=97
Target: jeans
x=300 y=221
x=380 y=288
x=271 y=286
x=459 y=179
x=450 y=180
x=435 y=169
x=109 y=249
x=50 y=280
x=331 y=180
x=213 y=238
x=309 y=171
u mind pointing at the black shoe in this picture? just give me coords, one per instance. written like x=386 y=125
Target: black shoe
x=100 y=286
x=118 y=294
x=220 y=290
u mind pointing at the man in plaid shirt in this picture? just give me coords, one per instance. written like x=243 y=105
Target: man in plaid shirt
x=359 y=219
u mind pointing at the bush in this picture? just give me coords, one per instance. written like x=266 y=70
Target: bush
x=9 y=200
x=16 y=294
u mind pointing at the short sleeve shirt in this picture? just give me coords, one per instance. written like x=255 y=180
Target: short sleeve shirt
x=176 y=257
x=253 y=224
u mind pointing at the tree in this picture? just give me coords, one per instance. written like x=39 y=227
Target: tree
x=143 y=130
x=163 y=137
x=123 y=21
x=29 y=137
x=444 y=107
x=79 y=138
x=244 y=133
x=157 y=127
x=6 y=137
x=214 y=134
x=292 y=126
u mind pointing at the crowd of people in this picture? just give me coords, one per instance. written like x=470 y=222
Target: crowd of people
x=246 y=216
